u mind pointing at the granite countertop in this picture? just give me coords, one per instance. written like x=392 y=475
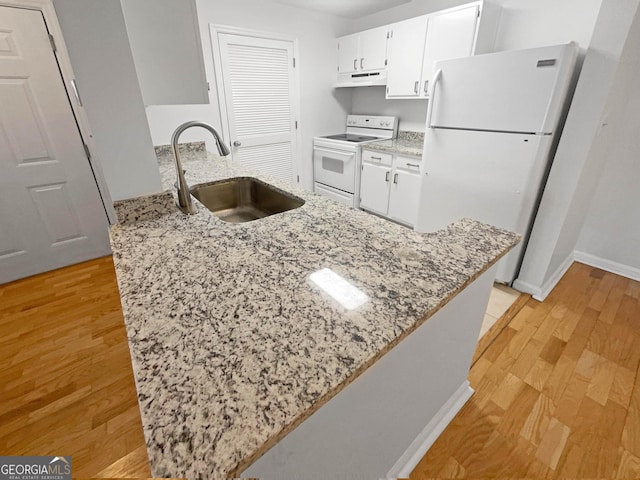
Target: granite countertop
x=233 y=345
x=407 y=143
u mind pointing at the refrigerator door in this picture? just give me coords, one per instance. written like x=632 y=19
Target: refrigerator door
x=513 y=91
x=491 y=177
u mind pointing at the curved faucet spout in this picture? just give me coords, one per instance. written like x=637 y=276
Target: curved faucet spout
x=184 y=197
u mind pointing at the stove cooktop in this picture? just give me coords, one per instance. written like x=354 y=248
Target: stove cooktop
x=351 y=137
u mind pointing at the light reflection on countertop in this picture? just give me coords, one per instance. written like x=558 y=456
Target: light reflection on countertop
x=339 y=289
x=233 y=343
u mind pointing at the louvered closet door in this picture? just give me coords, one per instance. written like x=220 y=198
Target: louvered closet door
x=259 y=93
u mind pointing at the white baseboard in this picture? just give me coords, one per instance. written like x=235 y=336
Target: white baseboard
x=555 y=278
x=419 y=447
x=608 y=265
x=540 y=293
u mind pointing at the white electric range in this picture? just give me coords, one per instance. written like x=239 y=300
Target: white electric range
x=337 y=158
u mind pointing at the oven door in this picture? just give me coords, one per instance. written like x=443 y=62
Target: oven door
x=335 y=168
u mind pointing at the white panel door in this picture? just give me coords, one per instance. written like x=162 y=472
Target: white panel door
x=51 y=213
x=258 y=77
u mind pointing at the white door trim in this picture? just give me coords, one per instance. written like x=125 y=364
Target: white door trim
x=214 y=31
x=66 y=72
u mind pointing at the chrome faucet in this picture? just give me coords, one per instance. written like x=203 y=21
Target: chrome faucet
x=184 y=196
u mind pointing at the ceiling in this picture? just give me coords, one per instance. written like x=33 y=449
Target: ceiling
x=345 y=8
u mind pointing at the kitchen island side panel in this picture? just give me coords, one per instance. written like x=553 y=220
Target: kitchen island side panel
x=363 y=431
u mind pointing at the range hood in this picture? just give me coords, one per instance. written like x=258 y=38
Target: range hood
x=366 y=79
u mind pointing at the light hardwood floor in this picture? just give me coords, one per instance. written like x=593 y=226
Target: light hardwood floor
x=557 y=394
x=66 y=381
x=556 y=391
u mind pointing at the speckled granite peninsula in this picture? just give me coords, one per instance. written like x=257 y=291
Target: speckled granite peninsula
x=233 y=345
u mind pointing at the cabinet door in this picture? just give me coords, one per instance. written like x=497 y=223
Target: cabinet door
x=348 y=59
x=374 y=188
x=405 y=195
x=373 y=49
x=406 y=52
x=449 y=35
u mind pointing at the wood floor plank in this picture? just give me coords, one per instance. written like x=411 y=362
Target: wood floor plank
x=552 y=443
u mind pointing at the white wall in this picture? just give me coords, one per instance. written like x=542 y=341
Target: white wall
x=523 y=24
x=583 y=149
x=611 y=230
x=96 y=37
x=165 y=43
x=323 y=110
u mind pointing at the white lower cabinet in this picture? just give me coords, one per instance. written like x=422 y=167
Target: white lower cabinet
x=390 y=185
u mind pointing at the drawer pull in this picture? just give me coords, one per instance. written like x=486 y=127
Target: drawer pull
x=413 y=165
x=375 y=158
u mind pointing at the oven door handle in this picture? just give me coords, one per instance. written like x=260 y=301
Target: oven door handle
x=351 y=155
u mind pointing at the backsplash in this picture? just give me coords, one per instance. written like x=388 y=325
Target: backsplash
x=190 y=147
x=411 y=136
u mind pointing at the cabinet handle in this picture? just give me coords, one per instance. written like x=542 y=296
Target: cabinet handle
x=395 y=178
x=386 y=177
x=426 y=86
x=355 y=63
x=375 y=158
x=361 y=63
x=413 y=165
x=415 y=87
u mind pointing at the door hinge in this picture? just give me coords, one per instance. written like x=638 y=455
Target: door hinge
x=53 y=43
x=86 y=151
x=294 y=62
x=208 y=87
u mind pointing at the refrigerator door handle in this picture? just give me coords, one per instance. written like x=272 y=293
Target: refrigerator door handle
x=432 y=89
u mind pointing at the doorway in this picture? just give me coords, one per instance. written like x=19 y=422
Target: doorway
x=258 y=96
x=51 y=211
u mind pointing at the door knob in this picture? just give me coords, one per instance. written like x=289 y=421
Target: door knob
x=237 y=143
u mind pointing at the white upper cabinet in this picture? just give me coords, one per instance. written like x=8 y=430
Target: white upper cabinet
x=405 y=57
x=449 y=35
x=456 y=32
x=348 y=53
x=167 y=51
x=363 y=51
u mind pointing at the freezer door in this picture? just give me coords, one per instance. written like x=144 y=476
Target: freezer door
x=491 y=177
x=513 y=91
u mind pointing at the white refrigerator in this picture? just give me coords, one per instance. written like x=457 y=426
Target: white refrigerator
x=493 y=124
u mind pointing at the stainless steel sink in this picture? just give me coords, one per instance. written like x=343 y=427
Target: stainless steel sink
x=243 y=199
